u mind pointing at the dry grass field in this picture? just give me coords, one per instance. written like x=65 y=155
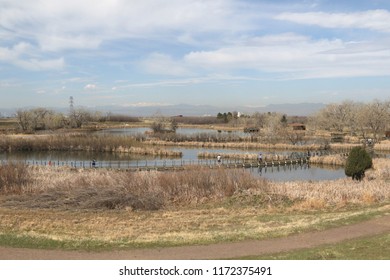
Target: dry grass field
x=96 y=209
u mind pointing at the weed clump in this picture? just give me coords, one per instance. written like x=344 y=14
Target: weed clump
x=14 y=177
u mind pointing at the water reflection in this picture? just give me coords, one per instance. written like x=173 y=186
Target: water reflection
x=298 y=172
x=188 y=131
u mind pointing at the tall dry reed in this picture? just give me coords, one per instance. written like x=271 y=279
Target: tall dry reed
x=238 y=145
x=14 y=178
x=382 y=146
x=337 y=160
x=81 y=142
x=104 y=189
x=64 y=187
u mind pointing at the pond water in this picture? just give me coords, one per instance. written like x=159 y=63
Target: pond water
x=181 y=130
x=190 y=157
x=302 y=172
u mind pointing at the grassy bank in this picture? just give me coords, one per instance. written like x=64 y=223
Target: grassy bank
x=102 y=230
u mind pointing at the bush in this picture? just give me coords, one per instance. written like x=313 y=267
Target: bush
x=358 y=162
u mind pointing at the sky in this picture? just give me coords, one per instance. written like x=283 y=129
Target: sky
x=200 y=52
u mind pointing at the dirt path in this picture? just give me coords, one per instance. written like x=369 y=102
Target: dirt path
x=216 y=251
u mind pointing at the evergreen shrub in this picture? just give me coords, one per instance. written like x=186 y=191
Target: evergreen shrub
x=357 y=163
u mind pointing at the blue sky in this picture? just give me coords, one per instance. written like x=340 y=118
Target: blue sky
x=216 y=52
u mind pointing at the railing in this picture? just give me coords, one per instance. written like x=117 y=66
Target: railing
x=158 y=164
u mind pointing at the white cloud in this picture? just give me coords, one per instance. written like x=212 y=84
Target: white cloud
x=57 y=25
x=39 y=65
x=297 y=57
x=163 y=64
x=24 y=56
x=90 y=87
x=66 y=42
x=378 y=20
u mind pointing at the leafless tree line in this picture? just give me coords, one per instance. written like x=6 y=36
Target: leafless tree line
x=41 y=119
x=366 y=120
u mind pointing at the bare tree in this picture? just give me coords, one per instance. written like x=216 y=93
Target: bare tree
x=274 y=127
x=39 y=119
x=24 y=119
x=373 y=119
x=164 y=124
x=78 y=117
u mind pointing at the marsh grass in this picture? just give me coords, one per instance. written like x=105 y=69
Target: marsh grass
x=67 y=188
x=14 y=178
x=336 y=160
x=239 y=144
x=382 y=146
x=81 y=142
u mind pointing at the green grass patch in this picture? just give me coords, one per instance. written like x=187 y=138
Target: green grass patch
x=368 y=248
x=24 y=241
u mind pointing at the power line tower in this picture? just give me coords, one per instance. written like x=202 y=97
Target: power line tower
x=71 y=103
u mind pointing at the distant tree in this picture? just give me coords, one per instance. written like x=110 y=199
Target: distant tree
x=24 y=119
x=78 y=117
x=163 y=124
x=273 y=129
x=227 y=117
x=336 y=117
x=374 y=118
x=295 y=137
x=38 y=119
x=358 y=162
x=259 y=119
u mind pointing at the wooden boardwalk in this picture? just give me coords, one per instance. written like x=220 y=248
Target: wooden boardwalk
x=165 y=165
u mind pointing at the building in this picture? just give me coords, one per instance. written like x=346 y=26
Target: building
x=298 y=126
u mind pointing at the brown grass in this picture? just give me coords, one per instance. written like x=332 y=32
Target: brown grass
x=337 y=160
x=148 y=190
x=194 y=206
x=383 y=146
x=81 y=142
x=238 y=145
x=14 y=178
x=338 y=193
x=66 y=188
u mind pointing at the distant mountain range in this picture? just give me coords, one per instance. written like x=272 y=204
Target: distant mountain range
x=299 y=109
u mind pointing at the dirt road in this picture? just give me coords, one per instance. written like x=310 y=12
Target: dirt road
x=216 y=251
